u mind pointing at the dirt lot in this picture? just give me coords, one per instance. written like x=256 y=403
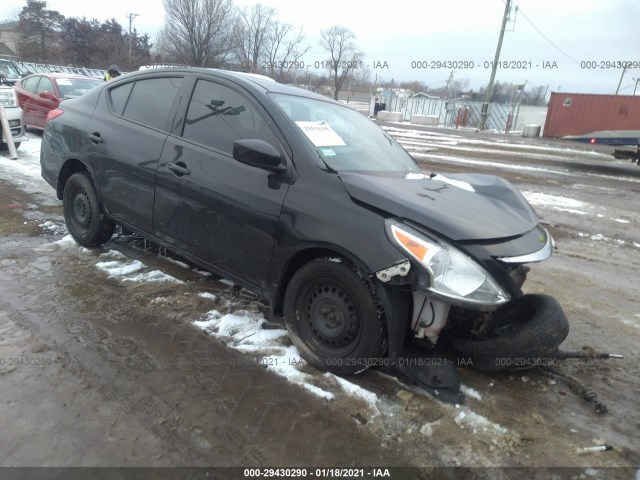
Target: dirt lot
x=102 y=370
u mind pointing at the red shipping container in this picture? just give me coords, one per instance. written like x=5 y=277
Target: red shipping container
x=583 y=113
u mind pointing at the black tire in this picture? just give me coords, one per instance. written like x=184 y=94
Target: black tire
x=524 y=333
x=334 y=317
x=83 y=212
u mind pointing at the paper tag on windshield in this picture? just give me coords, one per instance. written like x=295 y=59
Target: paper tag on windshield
x=63 y=81
x=321 y=134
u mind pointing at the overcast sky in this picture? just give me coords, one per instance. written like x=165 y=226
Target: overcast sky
x=406 y=39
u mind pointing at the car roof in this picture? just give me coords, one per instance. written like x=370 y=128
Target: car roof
x=251 y=81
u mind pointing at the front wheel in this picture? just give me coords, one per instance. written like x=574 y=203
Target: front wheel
x=83 y=212
x=334 y=317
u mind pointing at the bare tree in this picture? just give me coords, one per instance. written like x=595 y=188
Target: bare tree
x=457 y=86
x=284 y=50
x=338 y=41
x=197 y=32
x=250 y=35
x=362 y=76
x=537 y=96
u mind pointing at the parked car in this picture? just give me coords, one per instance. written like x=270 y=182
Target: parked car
x=40 y=93
x=311 y=205
x=8 y=76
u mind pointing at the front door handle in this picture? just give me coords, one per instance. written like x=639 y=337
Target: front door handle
x=179 y=168
x=95 y=137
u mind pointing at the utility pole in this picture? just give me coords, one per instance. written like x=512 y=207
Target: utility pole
x=446 y=89
x=489 y=92
x=624 y=69
x=132 y=16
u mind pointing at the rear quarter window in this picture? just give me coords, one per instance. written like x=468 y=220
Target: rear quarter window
x=119 y=96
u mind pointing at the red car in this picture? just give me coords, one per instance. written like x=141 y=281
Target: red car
x=41 y=92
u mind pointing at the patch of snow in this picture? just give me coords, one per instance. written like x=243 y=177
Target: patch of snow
x=175 y=262
x=66 y=241
x=208 y=295
x=620 y=220
x=152 y=276
x=53 y=227
x=543 y=199
x=427 y=428
x=356 y=390
x=245 y=333
x=469 y=420
x=113 y=254
x=456 y=183
x=415 y=176
x=204 y=273
x=115 y=268
x=470 y=392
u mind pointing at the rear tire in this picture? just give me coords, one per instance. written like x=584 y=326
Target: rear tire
x=334 y=317
x=524 y=333
x=83 y=212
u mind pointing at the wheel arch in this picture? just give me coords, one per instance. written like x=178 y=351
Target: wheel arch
x=71 y=166
x=294 y=263
x=396 y=302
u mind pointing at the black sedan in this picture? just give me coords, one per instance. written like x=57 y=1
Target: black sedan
x=311 y=205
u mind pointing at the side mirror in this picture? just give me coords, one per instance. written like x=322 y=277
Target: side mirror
x=258 y=153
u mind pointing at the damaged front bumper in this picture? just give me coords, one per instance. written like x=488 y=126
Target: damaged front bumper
x=445 y=276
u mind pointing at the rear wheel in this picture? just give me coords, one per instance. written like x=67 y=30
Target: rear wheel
x=524 y=333
x=83 y=212
x=334 y=317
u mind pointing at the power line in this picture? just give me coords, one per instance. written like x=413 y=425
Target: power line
x=544 y=36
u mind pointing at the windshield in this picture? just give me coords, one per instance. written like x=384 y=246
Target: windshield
x=345 y=139
x=9 y=71
x=76 y=87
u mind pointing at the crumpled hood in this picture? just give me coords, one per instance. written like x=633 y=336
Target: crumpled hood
x=457 y=206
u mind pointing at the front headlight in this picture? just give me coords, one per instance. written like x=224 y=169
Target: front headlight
x=8 y=98
x=452 y=273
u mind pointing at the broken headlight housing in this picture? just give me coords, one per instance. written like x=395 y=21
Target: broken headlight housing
x=452 y=274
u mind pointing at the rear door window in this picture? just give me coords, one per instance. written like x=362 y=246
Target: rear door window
x=151 y=100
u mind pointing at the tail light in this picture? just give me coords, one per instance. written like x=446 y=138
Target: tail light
x=56 y=112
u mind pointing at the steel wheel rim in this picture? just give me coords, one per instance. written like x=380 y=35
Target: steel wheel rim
x=81 y=210
x=331 y=318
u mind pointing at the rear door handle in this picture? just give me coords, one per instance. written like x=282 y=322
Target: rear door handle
x=95 y=137
x=179 y=168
